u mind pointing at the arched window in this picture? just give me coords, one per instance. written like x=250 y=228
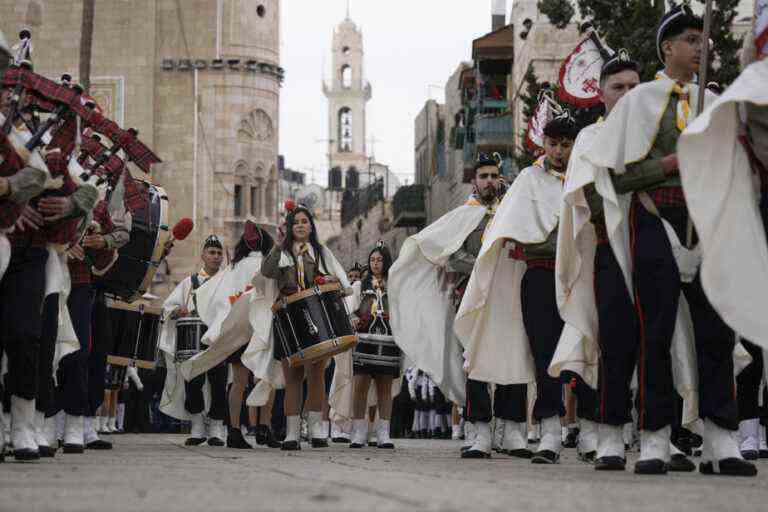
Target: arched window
x=353 y=179
x=346 y=76
x=334 y=180
x=345 y=130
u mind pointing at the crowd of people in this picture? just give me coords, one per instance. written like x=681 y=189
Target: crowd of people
x=610 y=294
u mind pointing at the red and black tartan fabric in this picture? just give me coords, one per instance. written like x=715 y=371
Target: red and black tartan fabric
x=667 y=196
x=101 y=215
x=79 y=272
x=548 y=264
x=136 y=194
x=49 y=93
x=64 y=136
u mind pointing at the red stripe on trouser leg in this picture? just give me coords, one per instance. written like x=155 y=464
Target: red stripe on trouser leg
x=640 y=316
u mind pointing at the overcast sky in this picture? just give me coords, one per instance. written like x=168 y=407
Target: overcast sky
x=409 y=45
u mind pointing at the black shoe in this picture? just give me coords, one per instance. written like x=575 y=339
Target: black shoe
x=194 y=441
x=99 y=444
x=750 y=454
x=572 y=439
x=46 y=451
x=340 y=440
x=26 y=455
x=534 y=441
x=588 y=457
x=73 y=448
x=729 y=467
x=545 y=457
x=385 y=446
x=475 y=454
x=764 y=454
x=265 y=436
x=215 y=441
x=651 y=467
x=610 y=463
x=235 y=439
x=680 y=463
x=520 y=453
x=290 y=446
x=319 y=443
x=355 y=445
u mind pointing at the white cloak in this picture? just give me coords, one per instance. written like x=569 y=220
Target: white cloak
x=174 y=394
x=490 y=319
x=420 y=302
x=723 y=200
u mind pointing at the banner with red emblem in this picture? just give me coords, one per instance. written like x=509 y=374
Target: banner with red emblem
x=580 y=73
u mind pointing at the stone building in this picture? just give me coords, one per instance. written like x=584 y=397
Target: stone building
x=201 y=83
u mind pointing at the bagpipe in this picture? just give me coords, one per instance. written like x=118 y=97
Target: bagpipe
x=58 y=129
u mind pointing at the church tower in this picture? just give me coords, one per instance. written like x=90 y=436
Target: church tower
x=348 y=93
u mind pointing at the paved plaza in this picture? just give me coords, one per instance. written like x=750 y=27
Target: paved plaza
x=147 y=473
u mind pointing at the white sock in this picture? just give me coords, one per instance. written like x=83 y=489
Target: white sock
x=382 y=432
x=763 y=443
x=719 y=443
x=587 y=436
x=609 y=441
x=49 y=432
x=455 y=432
x=470 y=432
x=197 y=429
x=749 y=431
x=498 y=434
x=551 y=435
x=120 y=417
x=216 y=429
x=90 y=433
x=292 y=428
x=74 y=430
x=318 y=429
x=40 y=438
x=482 y=437
x=627 y=433
x=23 y=424
x=60 y=422
x=360 y=431
x=514 y=435
x=654 y=444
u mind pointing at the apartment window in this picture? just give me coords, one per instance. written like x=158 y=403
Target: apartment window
x=238 y=201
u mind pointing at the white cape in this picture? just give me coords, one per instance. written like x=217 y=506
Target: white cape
x=723 y=201
x=490 y=319
x=174 y=394
x=420 y=302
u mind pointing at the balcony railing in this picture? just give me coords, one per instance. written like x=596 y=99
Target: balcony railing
x=409 y=206
x=470 y=154
x=361 y=201
x=494 y=132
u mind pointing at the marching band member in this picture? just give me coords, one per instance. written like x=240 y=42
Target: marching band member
x=83 y=372
x=373 y=311
x=188 y=400
x=231 y=327
x=294 y=263
x=528 y=215
x=419 y=288
x=638 y=146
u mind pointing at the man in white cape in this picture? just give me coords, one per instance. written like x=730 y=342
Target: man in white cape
x=512 y=291
x=724 y=168
x=638 y=147
x=188 y=401
x=423 y=301
x=594 y=292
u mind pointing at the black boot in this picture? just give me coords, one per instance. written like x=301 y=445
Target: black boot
x=264 y=436
x=235 y=439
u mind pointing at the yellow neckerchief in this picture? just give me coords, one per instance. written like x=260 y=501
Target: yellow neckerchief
x=378 y=287
x=542 y=162
x=299 y=249
x=683 y=92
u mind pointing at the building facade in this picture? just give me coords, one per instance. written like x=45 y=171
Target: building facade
x=201 y=83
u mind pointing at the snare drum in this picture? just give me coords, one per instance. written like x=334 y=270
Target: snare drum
x=312 y=324
x=376 y=352
x=189 y=332
x=136 y=329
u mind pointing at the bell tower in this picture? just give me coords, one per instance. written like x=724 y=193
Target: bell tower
x=348 y=93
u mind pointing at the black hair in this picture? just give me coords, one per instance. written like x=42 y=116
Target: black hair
x=243 y=249
x=674 y=23
x=562 y=128
x=313 y=240
x=387 y=256
x=615 y=66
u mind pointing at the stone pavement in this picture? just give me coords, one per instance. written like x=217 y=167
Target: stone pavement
x=147 y=473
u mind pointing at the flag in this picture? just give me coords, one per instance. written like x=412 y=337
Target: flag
x=761 y=28
x=534 y=135
x=580 y=74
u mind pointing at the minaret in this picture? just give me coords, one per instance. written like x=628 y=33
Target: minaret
x=347 y=93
